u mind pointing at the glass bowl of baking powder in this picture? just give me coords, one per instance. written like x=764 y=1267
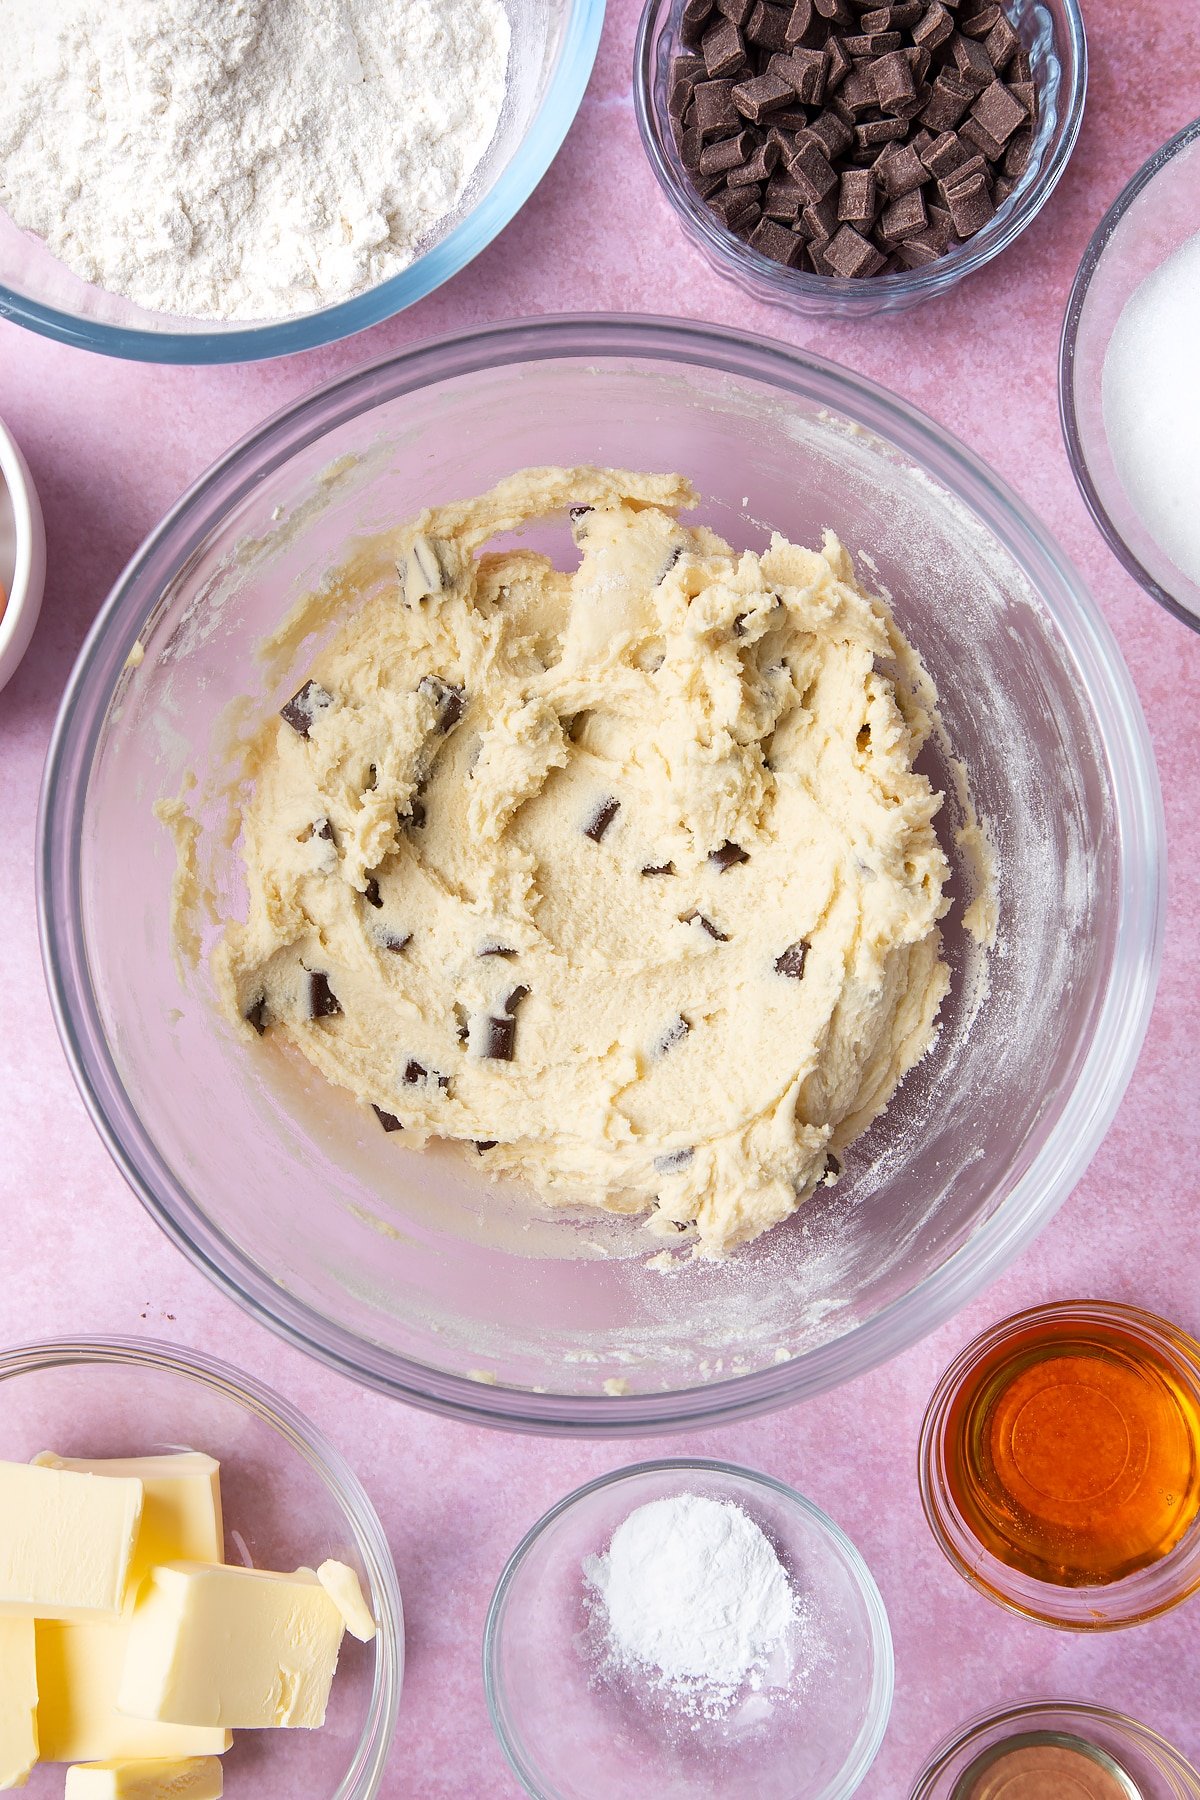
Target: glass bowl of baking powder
x=261 y=189
x=635 y=1643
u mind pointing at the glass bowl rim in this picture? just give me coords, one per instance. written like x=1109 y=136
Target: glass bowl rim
x=309 y=331
x=1022 y=1711
x=794 y=287
x=884 y=1675
x=1097 y=244
x=363 y=1779
x=1128 y=757
x=944 y=1519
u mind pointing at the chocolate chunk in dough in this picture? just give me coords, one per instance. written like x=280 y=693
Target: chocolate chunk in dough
x=323 y=1003
x=500 y=1039
x=495 y=950
x=482 y=1144
x=414 y=818
x=388 y=1120
x=256 y=1014
x=728 y=856
x=832 y=1165
x=426 y=569
x=303 y=707
x=601 y=819
x=323 y=828
x=667 y=868
x=371 y=893
x=394 y=941
x=698 y=918
x=416 y=1073
x=515 y=998
x=449 y=702
x=674 y=1034
x=671 y=1161
x=793 y=959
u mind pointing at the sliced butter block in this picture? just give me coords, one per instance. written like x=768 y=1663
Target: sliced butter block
x=345 y=1590
x=237 y=1648
x=79 y=1671
x=80 y=1663
x=181 y=1506
x=67 y=1542
x=185 y=1778
x=18 y=1703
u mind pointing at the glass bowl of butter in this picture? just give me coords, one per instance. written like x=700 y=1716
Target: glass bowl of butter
x=215 y=1605
x=422 y=1271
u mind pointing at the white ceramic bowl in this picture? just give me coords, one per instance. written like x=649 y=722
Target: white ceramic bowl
x=22 y=555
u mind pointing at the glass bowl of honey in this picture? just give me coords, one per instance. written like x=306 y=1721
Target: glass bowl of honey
x=1060 y=1464
x=1061 y=1748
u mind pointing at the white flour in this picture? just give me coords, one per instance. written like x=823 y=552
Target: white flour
x=694 y=1600
x=244 y=159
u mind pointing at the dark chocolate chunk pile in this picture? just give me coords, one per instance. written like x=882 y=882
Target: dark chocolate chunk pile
x=850 y=139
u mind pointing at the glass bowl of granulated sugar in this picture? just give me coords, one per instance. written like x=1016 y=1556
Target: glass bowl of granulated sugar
x=200 y=183
x=689 y=1629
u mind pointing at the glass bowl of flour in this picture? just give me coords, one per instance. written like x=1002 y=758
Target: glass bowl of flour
x=411 y=1269
x=691 y=1629
x=1129 y=375
x=203 y=183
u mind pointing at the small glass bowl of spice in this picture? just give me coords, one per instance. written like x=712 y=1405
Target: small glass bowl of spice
x=1129 y=373
x=837 y=156
x=693 y=1629
x=1060 y=1464
x=1056 y=1750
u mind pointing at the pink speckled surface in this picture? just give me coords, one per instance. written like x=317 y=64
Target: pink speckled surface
x=111 y=446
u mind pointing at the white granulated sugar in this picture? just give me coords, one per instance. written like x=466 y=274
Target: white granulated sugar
x=1151 y=395
x=693 y=1601
x=244 y=159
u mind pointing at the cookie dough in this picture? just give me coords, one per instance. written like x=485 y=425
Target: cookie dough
x=622 y=875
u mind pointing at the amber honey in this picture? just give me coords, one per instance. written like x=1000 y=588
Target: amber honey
x=1071 y=1448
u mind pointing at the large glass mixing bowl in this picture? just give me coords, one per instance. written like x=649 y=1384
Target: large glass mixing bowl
x=409 y=1271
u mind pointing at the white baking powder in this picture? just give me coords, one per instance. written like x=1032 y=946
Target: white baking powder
x=693 y=1599
x=1151 y=393
x=244 y=159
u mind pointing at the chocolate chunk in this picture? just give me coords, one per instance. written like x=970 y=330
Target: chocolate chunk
x=667 y=868
x=972 y=64
x=416 y=1074
x=302 y=709
x=903 y=218
x=933 y=28
x=944 y=154
x=768 y=25
x=686 y=71
x=393 y=941
x=698 y=918
x=414 y=818
x=728 y=856
x=877 y=45
x=832 y=1165
x=484 y=1144
x=831 y=134
x=737 y=10
x=724 y=50
x=448 y=702
x=982 y=140
x=256 y=1014
x=371 y=892
x=726 y=153
x=857 y=197
x=813 y=173
x=765 y=94
x=495 y=950
x=1016 y=157
x=320 y=998
x=671 y=1161
x=899 y=170
x=715 y=113
x=879 y=131
x=850 y=255
x=806 y=70
x=575 y=513
x=919 y=252
x=835 y=11
x=974 y=165
x=500 y=1039
x=999 y=112
x=774 y=240
x=757 y=169
x=388 y=1120
x=821 y=221
x=782 y=200
x=426 y=569
x=692 y=20
x=894 y=84
x=737 y=207
x=947 y=103
x=793 y=960
x=674 y=1034
x=1001 y=44
x=515 y=998
x=856 y=96
x=806 y=27
x=602 y=818
x=840 y=65
x=970 y=206
x=322 y=828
